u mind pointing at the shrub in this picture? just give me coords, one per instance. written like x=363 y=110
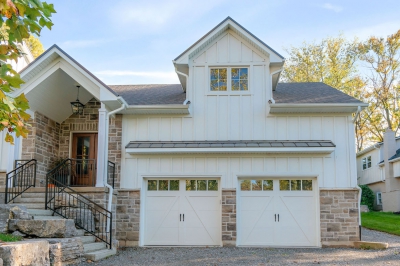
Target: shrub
x=367 y=197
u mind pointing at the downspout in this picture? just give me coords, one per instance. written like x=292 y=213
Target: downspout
x=357 y=187
x=110 y=188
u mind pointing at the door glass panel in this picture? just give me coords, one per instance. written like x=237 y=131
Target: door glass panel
x=245 y=185
x=201 y=185
x=295 y=184
x=268 y=185
x=284 y=185
x=256 y=185
x=174 y=185
x=306 y=184
x=191 y=185
x=213 y=185
x=162 y=184
x=152 y=185
x=82 y=154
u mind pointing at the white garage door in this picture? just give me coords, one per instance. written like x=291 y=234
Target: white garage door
x=182 y=212
x=278 y=213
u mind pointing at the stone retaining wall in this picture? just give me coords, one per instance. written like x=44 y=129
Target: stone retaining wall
x=339 y=217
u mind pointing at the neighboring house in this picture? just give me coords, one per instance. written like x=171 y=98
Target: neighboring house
x=227 y=157
x=372 y=171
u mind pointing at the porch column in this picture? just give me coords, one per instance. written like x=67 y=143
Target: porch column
x=101 y=149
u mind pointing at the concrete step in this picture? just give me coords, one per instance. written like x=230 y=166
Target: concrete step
x=33 y=205
x=90 y=247
x=80 y=232
x=88 y=239
x=37 y=212
x=33 y=195
x=100 y=254
x=47 y=218
x=29 y=200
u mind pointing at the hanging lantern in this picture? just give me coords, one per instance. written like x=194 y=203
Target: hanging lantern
x=77 y=106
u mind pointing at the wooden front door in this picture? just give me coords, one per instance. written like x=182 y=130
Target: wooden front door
x=84 y=155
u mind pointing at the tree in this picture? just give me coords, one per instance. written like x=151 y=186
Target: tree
x=332 y=61
x=21 y=19
x=382 y=57
x=34 y=45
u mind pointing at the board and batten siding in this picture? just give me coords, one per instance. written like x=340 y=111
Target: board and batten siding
x=242 y=115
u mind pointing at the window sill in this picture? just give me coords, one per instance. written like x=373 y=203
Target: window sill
x=229 y=93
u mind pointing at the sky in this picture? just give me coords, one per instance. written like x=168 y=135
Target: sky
x=135 y=41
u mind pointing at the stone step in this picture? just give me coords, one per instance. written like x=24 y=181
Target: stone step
x=80 y=232
x=37 y=212
x=29 y=200
x=94 y=246
x=100 y=254
x=88 y=239
x=37 y=217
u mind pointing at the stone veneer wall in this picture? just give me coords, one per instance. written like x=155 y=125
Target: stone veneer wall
x=3 y=179
x=115 y=147
x=128 y=217
x=339 y=217
x=41 y=144
x=229 y=217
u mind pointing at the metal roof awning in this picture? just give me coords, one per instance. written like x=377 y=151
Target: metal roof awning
x=251 y=146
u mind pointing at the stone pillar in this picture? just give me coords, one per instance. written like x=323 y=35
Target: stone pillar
x=229 y=217
x=101 y=149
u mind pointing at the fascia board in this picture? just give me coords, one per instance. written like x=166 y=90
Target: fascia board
x=157 y=109
x=316 y=108
x=308 y=150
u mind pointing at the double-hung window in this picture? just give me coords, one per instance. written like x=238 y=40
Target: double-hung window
x=366 y=162
x=229 y=79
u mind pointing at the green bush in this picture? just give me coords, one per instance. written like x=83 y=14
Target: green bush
x=367 y=197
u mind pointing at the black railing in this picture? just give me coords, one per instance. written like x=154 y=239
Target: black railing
x=20 y=179
x=68 y=203
x=111 y=173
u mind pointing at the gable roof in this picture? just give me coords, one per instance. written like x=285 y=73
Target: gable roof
x=230 y=24
x=151 y=94
x=311 y=93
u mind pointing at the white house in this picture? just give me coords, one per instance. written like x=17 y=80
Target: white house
x=227 y=157
x=372 y=171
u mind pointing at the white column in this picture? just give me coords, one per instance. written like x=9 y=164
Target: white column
x=101 y=149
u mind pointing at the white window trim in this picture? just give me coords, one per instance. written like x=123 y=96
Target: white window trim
x=366 y=162
x=378 y=198
x=229 y=90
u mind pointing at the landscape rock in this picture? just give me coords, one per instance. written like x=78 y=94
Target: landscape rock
x=9 y=211
x=18 y=233
x=31 y=252
x=65 y=251
x=44 y=228
x=364 y=208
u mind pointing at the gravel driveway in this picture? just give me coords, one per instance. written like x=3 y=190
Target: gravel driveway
x=261 y=256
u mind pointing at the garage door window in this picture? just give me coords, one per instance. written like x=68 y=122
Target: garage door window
x=163 y=185
x=256 y=185
x=295 y=185
x=201 y=185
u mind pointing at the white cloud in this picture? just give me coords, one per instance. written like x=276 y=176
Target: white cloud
x=332 y=7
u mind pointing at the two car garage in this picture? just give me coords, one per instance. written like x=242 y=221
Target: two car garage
x=185 y=211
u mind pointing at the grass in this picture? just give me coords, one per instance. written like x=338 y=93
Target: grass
x=381 y=221
x=9 y=238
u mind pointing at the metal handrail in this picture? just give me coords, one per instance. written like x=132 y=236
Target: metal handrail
x=20 y=179
x=70 y=204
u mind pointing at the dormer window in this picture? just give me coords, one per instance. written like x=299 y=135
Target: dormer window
x=229 y=79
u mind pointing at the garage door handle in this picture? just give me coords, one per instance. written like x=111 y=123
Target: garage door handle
x=180 y=217
x=183 y=217
x=278 y=217
x=275 y=217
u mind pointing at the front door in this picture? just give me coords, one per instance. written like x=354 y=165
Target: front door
x=84 y=155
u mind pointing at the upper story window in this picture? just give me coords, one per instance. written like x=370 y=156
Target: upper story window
x=229 y=79
x=366 y=162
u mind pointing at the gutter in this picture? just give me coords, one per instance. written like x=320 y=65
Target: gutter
x=110 y=188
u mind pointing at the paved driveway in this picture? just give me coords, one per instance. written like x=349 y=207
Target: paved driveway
x=261 y=256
